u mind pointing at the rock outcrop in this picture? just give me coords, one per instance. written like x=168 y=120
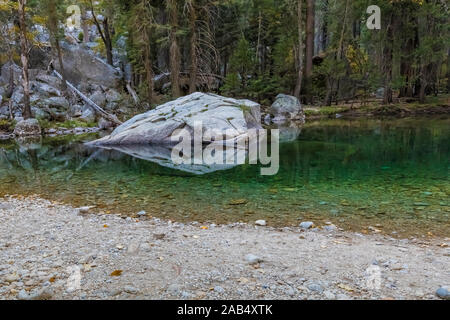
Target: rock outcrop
x=215 y=113
x=82 y=66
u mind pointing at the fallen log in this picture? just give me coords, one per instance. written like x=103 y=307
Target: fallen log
x=89 y=102
x=133 y=93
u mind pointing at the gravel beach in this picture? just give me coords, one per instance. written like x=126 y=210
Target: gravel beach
x=53 y=251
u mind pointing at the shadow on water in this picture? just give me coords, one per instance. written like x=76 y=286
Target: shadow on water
x=355 y=173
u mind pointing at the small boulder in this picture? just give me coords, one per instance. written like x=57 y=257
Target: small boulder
x=57 y=102
x=261 y=223
x=29 y=127
x=49 y=80
x=88 y=115
x=45 y=89
x=98 y=98
x=286 y=108
x=40 y=114
x=112 y=98
x=306 y=225
x=104 y=124
x=141 y=213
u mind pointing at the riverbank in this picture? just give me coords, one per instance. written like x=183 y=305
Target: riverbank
x=44 y=244
x=439 y=105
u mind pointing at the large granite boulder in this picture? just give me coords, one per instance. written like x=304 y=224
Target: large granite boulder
x=286 y=108
x=82 y=66
x=216 y=114
x=29 y=127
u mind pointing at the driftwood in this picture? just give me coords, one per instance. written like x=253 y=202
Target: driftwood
x=89 y=102
x=133 y=93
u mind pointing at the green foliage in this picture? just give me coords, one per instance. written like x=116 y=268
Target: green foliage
x=7 y=125
x=68 y=124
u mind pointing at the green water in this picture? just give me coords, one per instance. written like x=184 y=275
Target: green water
x=392 y=174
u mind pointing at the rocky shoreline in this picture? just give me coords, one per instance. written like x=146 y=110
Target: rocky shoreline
x=53 y=251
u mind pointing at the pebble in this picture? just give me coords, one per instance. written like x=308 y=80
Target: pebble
x=219 y=289
x=12 y=278
x=133 y=247
x=329 y=295
x=290 y=292
x=306 y=224
x=253 y=259
x=85 y=210
x=141 y=213
x=261 y=223
x=42 y=294
x=315 y=287
x=130 y=289
x=88 y=258
x=173 y=289
x=443 y=293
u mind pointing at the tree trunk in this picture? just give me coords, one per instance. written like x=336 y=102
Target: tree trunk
x=53 y=24
x=324 y=28
x=448 y=71
x=104 y=34
x=310 y=24
x=193 y=48
x=387 y=55
x=148 y=68
x=309 y=37
x=26 y=113
x=174 y=48
x=85 y=27
x=298 y=86
x=108 y=42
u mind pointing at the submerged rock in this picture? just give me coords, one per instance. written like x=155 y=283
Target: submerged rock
x=215 y=113
x=29 y=127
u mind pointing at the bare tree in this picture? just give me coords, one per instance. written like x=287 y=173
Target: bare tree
x=105 y=34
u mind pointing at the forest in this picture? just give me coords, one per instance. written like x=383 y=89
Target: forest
x=319 y=51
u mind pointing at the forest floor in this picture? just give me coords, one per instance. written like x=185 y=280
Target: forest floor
x=54 y=251
x=400 y=108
